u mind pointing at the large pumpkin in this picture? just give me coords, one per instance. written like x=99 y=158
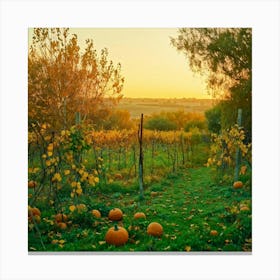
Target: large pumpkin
x=155 y=229
x=237 y=184
x=116 y=236
x=115 y=214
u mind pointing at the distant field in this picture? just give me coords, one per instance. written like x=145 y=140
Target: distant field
x=147 y=106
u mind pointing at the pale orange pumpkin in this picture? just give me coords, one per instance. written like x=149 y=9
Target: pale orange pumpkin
x=116 y=236
x=155 y=229
x=139 y=215
x=115 y=214
x=96 y=213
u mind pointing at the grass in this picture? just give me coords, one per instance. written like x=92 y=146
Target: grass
x=187 y=203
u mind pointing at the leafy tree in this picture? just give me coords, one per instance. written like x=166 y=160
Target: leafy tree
x=224 y=57
x=63 y=80
x=213 y=117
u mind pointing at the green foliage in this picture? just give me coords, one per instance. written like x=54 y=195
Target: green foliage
x=213 y=117
x=224 y=57
x=159 y=123
x=177 y=120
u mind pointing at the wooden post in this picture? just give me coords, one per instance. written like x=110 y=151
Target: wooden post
x=78 y=118
x=238 y=154
x=140 y=139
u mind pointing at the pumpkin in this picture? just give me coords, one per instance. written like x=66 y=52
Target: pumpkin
x=213 y=232
x=81 y=208
x=244 y=208
x=139 y=215
x=32 y=184
x=155 y=229
x=153 y=194
x=37 y=219
x=61 y=225
x=115 y=214
x=35 y=211
x=116 y=235
x=96 y=213
x=237 y=184
x=60 y=218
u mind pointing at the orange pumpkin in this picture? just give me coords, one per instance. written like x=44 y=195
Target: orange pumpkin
x=213 y=232
x=155 y=229
x=244 y=208
x=139 y=215
x=35 y=211
x=96 y=213
x=61 y=225
x=60 y=218
x=237 y=184
x=115 y=214
x=116 y=236
x=32 y=184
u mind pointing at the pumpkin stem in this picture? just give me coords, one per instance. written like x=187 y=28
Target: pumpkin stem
x=116 y=227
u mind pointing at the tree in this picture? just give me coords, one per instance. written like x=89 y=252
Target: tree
x=62 y=80
x=224 y=57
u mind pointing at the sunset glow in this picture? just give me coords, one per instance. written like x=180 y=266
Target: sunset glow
x=151 y=66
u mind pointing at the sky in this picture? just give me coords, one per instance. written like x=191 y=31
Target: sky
x=151 y=66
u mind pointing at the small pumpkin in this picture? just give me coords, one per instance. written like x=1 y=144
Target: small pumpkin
x=155 y=229
x=32 y=184
x=238 y=185
x=35 y=211
x=153 y=194
x=139 y=215
x=116 y=235
x=244 y=208
x=61 y=225
x=81 y=208
x=115 y=214
x=213 y=232
x=60 y=218
x=96 y=213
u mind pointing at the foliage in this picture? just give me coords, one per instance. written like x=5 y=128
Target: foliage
x=62 y=80
x=177 y=120
x=213 y=117
x=224 y=57
x=223 y=150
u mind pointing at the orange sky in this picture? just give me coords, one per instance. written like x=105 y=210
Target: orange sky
x=151 y=66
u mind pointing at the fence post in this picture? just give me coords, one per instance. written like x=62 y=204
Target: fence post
x=140 y=139
x=238 y=154
x=78 y=118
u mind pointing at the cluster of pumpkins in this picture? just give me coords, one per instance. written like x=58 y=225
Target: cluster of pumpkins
x=118 y=235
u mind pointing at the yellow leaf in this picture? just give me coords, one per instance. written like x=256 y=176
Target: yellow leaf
x=79 y=191
x=66 y=172
x=188 y=248
x=101 y=242
x=62 y=241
